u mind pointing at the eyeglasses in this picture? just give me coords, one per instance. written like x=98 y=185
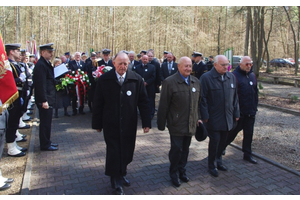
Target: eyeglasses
x=248 y=64
x=225 y=65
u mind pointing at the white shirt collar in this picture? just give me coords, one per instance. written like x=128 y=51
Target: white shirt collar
x=118 y=75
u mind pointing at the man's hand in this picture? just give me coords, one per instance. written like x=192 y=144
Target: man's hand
x=199 y=121
x=146 y=129
x=145 y=83
x=99 y=130
x=45 y=105
x=237 y=119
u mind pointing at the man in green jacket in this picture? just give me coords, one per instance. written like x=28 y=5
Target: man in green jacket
x=178 y=107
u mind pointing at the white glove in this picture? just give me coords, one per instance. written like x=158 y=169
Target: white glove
x=22 y=77
x=28 y=92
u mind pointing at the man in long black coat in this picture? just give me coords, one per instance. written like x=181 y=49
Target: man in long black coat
x=115 y=111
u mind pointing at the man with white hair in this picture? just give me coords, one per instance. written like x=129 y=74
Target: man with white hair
x=74 y=65
x=219 y=109
x=132 y=61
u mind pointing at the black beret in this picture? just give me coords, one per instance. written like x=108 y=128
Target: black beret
x=47 y=47
x=201 y=133
x=13 y=46
x=143 y=51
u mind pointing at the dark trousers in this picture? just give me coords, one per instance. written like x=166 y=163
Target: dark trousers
x=217 y=142
x=178 y=154
x=45 y=126
x=13 y=120
x=245 y=123
x=74 y=104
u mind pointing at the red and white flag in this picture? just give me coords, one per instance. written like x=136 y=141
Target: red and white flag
x=35 y=52
x=8 y=89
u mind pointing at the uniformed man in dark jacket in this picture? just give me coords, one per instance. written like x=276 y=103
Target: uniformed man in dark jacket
x=44 y=82
x=118 y=94
x=15 y=111
x=106 y=61
x=248 y=101
x=199 y=66
x=219 y=109
x=210 y=63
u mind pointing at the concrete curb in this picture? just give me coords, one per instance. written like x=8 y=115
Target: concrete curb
x=27 y=174
x=294 y=112
x=269 y=161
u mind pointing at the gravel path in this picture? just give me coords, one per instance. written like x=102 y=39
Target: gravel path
x=276 y=136
x=280 y=90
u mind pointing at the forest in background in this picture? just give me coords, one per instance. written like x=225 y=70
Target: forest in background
x=263 y=32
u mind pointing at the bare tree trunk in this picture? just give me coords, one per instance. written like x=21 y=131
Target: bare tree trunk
x=113 y=33
x=267 y=41
x=246 y=47
x=219 y=35
x=296 y=46
x=78 y=30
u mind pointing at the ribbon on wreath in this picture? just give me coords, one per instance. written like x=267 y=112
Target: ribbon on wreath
x=80 y=89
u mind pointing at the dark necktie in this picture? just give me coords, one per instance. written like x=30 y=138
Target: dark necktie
x=170 y=68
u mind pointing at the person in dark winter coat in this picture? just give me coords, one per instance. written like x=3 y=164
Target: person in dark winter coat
x=115 y=112
x=178 y=106
x=44 y=82
x=248 y=101
x=219 y=109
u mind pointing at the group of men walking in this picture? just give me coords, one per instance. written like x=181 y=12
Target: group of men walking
x=192 y=93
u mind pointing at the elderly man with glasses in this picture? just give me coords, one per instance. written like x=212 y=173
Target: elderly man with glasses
x=248 y=100
x=219 y=109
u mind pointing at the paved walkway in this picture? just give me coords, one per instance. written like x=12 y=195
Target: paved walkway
x=78 y=166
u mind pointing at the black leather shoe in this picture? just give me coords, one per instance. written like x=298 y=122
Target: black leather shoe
x=184 y=178
x=18 y=155
x=250 y=159
x=175 y=182
x=126 y=182
x=54 y=145
x=51 y=148
x=9 y=180
x=23 y=140
x=119 y=191
x=25 y=127
x=5 y=186
x=214 y=172
x=24 y=136
x=23 y=149
x=222 y=168
x=67 y=114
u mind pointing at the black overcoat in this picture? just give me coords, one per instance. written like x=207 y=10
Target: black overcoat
x=44 y=82
x=219 y=100
x=115 y=111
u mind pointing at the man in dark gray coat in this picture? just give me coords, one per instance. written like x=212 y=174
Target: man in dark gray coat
x=178 y=106
x=219 y=109
x=118 y=94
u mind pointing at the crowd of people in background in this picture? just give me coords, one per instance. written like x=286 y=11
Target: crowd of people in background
x=192 y=92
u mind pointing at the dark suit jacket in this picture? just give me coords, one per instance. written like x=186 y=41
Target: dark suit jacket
x=157 y=74
x=165 y=71
x=73 y=65
x=148 y=73
x=199 y=69
x=110 y=63
x=44 y=82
